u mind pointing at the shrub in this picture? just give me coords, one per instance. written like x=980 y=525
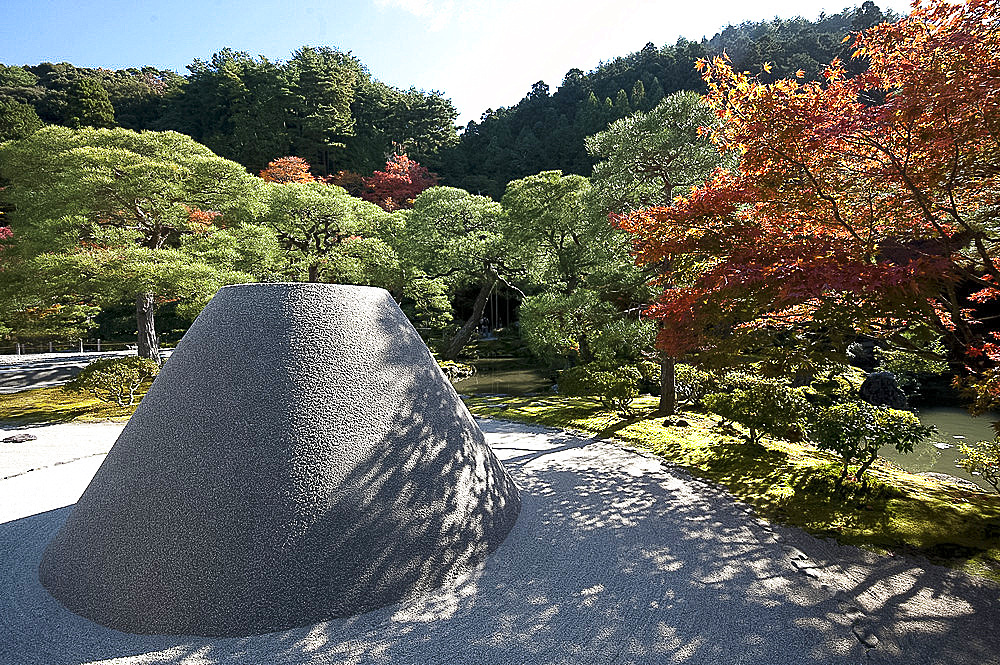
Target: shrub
x=114 y=379
x=649 y=373
x=692 y=384
x=763 y=406
x=615 y=387
x=456 y=371
x=856 y=431
x=984 y=459
x=737 y=380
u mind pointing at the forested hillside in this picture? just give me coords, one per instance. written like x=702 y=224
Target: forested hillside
x=324 y=106
x=545 y=130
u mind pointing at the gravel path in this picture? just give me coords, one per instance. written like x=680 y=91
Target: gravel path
x=43 y=370
x=55 y=444
x=614 y=559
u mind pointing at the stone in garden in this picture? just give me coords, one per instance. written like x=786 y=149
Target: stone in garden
x=300 y=457
x=20 y=438
x=862 y=354
x=881 y=389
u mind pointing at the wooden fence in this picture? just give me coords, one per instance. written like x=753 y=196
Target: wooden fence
x=65 y=346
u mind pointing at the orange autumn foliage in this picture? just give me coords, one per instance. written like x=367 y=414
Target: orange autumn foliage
x=352 y=182
x=202 y=220
x=287 y=169
x=857 y=203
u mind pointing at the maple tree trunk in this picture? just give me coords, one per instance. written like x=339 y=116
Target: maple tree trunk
x=145 y=305
x=465 y=332
x=668 y=385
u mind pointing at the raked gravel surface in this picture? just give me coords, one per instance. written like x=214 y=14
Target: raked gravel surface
x=615 y=558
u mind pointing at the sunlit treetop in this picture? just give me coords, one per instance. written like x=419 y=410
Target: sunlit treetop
x=287 y=169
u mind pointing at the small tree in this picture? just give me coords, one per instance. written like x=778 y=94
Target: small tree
x=763 y=406
x=615 y=387
x=287 y=169
x=114 y=379
x=557 y=326
x=984 y=460
x=856 y=431
x=326 y=234
x=456 y=236
x=17 y=120
x=398 y=185
x=644 y=160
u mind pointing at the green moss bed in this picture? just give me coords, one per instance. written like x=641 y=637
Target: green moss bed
x=792 y=483
x=56 y=405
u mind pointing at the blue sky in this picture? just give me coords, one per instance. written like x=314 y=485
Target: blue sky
x=480 y=53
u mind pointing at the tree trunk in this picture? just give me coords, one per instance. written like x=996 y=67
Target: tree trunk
x=145 y=304
x=465 y=332
x=313 y=273
x=864 y=467
x=668 y=385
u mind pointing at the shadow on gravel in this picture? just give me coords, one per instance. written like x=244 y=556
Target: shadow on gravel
x=611 y=560
x=30 y=374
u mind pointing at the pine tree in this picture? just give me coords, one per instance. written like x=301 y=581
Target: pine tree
x=17 y=120
x=88 y=105
x=655 y=93
x=622 y=107
x=639 y=96
x=323 y=90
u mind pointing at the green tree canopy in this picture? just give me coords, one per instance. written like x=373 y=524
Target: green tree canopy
x=578 y=273
x=88 y=104
x=109 y=214
x=17 y=120
x=456 y=236
x=328 y=235
x=646 y=157
x=549 y=224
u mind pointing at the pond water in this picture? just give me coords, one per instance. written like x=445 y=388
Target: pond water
x=507 y=376
x=940 y=453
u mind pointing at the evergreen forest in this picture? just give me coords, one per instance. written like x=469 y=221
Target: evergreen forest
x=324 y=106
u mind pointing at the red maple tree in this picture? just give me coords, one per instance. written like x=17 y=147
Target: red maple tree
x=352 y=182
x=858 y=204
x=399 y=184
x=287 y=169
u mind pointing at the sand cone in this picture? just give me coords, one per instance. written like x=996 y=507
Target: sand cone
x=300 y=457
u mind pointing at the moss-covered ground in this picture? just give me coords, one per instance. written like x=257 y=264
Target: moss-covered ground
x=793 y=483
x=56 y=405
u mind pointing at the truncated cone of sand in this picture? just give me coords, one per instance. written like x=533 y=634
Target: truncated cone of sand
x=300 y=457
